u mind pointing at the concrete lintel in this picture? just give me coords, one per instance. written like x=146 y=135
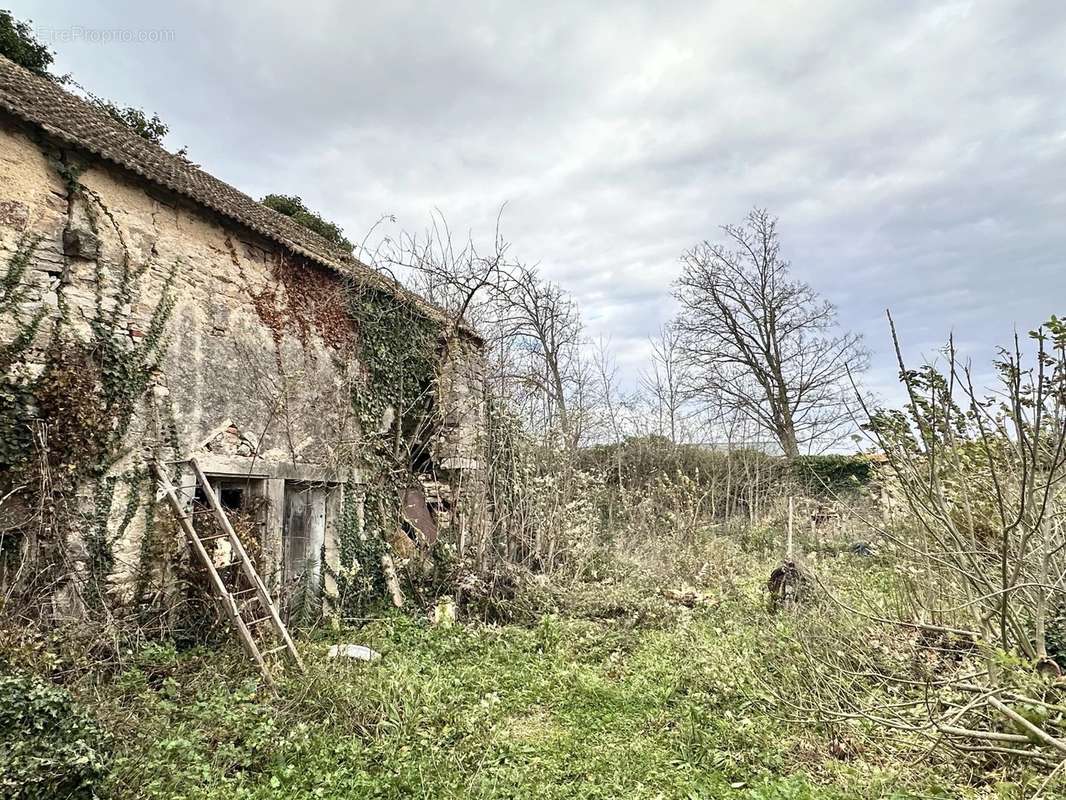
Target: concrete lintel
x=243 y=466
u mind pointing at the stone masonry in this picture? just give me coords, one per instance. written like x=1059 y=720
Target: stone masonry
x=255 y=396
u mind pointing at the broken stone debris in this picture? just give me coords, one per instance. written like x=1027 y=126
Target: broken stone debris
x=356 y=652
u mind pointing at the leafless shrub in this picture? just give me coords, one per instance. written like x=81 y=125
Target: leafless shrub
x=962 y=659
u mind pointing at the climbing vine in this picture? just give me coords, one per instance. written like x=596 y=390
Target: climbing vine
x=312 y=303
x=398 y=355
x=63 y=428
x=390 y=351
x=398 y=350
x=16 y=382
x=72 y=399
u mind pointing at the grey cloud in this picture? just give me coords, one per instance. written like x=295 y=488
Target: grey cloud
x=915 y=152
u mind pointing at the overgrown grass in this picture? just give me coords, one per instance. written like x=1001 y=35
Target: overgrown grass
x=618 y=693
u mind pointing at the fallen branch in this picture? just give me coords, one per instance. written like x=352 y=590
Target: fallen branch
x=1005 y=751
x=995 y=736
x=1038 y=733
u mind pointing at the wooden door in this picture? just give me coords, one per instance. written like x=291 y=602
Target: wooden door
x=303 y=534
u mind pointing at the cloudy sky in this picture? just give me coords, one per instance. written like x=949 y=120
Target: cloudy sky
x=915 y=152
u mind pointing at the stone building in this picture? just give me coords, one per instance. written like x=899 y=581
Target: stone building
x=261 y=370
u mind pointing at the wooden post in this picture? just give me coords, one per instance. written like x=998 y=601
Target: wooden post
x=388 y=567
x=788 y=541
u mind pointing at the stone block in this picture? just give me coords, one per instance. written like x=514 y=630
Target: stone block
x=356 y=652
x=81 y=243
x=14 y=214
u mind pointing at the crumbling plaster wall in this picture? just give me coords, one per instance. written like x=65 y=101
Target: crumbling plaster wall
x=460 y=449
x=286 y=393
x=223 y=362
x=461 y=398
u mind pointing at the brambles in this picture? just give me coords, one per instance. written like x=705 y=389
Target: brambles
x=50 y=746
x=617 y=584
x=467 y=710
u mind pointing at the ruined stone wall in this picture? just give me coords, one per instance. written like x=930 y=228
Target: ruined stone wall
x=259 y=369
x=460 y=447
x=461 y=390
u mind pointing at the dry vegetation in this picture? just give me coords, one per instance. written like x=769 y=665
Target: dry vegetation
x=662 y=606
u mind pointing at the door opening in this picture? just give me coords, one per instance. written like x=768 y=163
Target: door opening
x=303 y=539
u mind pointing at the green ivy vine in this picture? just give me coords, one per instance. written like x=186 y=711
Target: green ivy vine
x=398 y=353
x=88 y=393
x=63 y=428
x=398 y=349
x=16 y=381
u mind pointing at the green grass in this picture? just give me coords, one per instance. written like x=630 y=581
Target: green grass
x=617 y=693
x=568 y=708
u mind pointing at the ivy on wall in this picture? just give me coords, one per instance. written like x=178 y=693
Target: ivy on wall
x=313 y=303
x=72 y=419
x=398 y=350
x=16 y=383
x=398 y=353
x=390 y=352
x=63 y=429
x=360 y=581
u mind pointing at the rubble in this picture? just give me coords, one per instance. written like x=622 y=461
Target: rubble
x=355 y=652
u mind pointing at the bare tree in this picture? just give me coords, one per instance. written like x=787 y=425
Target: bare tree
x=543 y=332
x=456 y=278
x=531 y=327
x=666 y=382
x=762 y=344
x=611 y=400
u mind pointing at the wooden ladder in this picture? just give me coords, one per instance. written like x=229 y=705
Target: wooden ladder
x=235 y=603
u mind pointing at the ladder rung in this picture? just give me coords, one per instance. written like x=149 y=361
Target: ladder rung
x=227 y=597
x=197 y=513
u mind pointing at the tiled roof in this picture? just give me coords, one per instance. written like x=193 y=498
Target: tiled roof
x=73 y=121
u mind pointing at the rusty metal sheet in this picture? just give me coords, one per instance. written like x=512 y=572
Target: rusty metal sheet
x=416 y=511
